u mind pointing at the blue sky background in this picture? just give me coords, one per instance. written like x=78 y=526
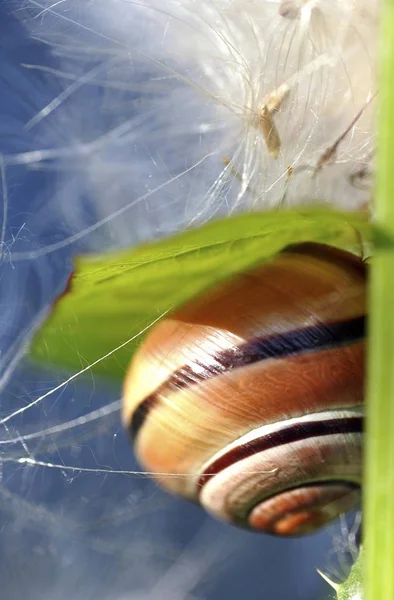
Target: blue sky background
x=103 y=535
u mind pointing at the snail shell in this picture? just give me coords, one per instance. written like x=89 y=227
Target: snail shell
x=249 y=398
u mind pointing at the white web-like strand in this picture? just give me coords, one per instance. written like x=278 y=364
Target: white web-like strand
x=130 y=121
x=202 y=73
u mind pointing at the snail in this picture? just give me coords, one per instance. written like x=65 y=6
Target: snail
x=249 y=399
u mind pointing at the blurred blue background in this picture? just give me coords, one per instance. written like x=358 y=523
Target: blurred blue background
x=74 y=523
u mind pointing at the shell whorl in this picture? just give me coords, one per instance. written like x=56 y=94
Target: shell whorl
x=249 y=399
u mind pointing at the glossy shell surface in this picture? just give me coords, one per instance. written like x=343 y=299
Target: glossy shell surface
x=249 y=398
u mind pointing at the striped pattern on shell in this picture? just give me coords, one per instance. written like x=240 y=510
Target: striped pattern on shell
x=249 y=398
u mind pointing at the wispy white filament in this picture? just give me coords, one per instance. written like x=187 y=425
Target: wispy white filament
x=174 y=81
x=132 y=120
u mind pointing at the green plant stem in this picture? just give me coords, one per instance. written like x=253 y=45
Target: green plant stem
x=352 y=589
x=379 y=471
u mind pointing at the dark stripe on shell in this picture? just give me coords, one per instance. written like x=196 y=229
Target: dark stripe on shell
x=308 y=339
x=286 y=435
x=328 y=253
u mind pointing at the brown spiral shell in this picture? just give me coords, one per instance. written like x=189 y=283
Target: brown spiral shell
x=249 y=398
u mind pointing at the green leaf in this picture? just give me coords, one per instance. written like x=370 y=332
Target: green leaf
x=114 y=298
